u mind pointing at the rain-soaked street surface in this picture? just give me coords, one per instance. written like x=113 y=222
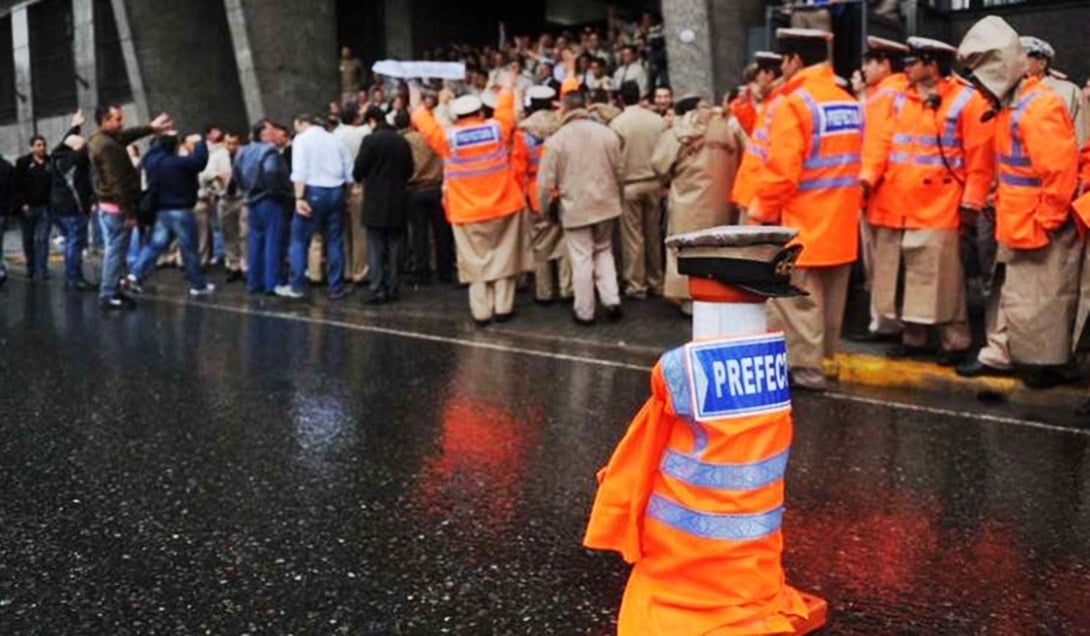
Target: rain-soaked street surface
x=200 y=469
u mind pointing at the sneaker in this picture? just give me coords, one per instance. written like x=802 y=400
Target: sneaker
x=131 y=285
x=204 y=291
x=339 y=294
x=117 y=302
x=285 y=291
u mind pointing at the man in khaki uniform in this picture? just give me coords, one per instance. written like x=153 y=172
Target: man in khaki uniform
x=699 y=156
x=582 y=162
x=1039 y=57
x=641 y=223
x=233 y=220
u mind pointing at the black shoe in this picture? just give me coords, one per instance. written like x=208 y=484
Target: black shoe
x=906 y=352
x=482 y=323
x=544 y=302
x=871 y=336
x=339 y=294
x=1083 y=409
x=614 y=313
x=582 y=323
x=951 y=358
x=233 y=276
x=1048 y=377
x=376 y=299
x=117 y=302
x=976 y=368
x=504 y=317
x=82 y=285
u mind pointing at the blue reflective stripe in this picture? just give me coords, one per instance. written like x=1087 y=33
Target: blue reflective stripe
x=935 y=160
x=1016 y=117
x=1015 y=180
x=903 y=138
x=815 y=122
x=898 y=103
x=898 y=157
x=832 y=161
x=497 y=155
x=1011 y=160
x=821 y=184
x=954 y=113
x=449 y=173
x=727 y=476
x=714 y=526
x=677 y=382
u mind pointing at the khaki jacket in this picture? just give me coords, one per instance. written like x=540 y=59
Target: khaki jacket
x=699 y=156
x=427 y=166
x=582 y=162
x=1075 y=102
x=639 y=130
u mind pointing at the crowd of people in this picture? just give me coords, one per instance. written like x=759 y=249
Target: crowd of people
x=549 y=153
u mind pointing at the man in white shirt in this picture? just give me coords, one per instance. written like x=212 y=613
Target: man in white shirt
x=321 y=168
x=351 y=133
x=630 y=69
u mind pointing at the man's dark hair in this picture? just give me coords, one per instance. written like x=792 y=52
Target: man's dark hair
x=373 y=114
x=102 y=111
x=36 y=138
x=749 y=73
x=539 y=104
x=169 y=143
x=896 y=62
x=598 y=96
x=257 y=129
x=630 y=93
x=210 y=127
x=944 y=62
x=402 y=120
x=810 y=50
x=304 y=117
x=685 y=105
x=574 y=100
x=349 y=112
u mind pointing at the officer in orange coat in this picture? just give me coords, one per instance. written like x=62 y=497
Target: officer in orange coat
x=1030 y=321
x=938 y=169
x=769 y=83
x=747 y=106
x=883 y=72
x=481 y=197
x=810 y=181
x=693 y=494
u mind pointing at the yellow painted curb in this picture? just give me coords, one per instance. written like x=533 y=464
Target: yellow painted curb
x=861 y=369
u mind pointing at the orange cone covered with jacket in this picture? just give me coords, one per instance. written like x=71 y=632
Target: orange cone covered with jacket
x=693 y=495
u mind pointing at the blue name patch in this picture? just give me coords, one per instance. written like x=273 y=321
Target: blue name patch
x=737 y=377
x=841 y=117
x=476 y=136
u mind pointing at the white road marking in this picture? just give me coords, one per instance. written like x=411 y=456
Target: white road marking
x=843 y=397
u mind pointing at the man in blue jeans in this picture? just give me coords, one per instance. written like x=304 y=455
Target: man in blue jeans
x=174 y=179
x=117 y=187
x=321 y=169
x=71 y=193
x=262 y=177
x=32 y=183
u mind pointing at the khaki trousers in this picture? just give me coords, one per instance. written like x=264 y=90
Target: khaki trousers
x=552 y=279
x=234 y=223
x=488 y=299
x=202 y=213
x=812 y=323
x=355 y=237
x=868 y=240
x=592 y=267
x=641 y=239
x=1031 y=317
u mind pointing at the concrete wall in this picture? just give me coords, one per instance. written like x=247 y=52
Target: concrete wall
x=706 y=43
x=187 y=62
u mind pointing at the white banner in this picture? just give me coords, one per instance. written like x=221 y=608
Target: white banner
x=424 y=70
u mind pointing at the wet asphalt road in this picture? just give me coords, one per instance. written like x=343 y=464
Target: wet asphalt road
x=191 y=469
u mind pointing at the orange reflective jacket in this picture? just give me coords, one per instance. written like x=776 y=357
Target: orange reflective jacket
x=1037 y=164
x=697 y=506
x=880 y=105
x=810 y=180
x=478 y=183
x=745 y=181
x=939 y=158
x=744 y=110
x=525 y=161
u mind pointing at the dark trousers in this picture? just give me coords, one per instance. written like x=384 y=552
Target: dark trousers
x=74 y=230
x=35 y=225
x=425 y=218
x=383 y=258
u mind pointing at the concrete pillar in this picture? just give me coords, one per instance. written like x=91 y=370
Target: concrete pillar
x=397 y=15
x=83 y=48
x=296 y=67
x=688 y=46
x=132 y=63
x=706 y=43
x=24 y=91
x=244 y=60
